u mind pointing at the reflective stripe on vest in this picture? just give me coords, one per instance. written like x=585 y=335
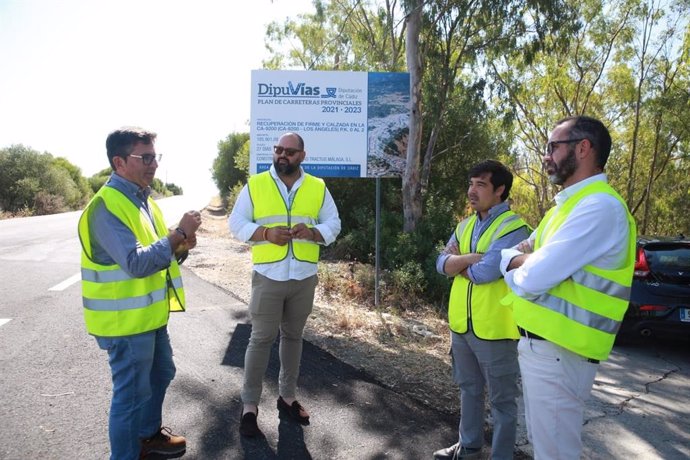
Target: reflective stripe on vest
x=115 y=303
x=583 y=313
x=130 y=303
x=270 y=210
x=481 y=303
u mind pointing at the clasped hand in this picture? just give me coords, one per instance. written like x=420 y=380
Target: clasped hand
x=283 y=235
x=190 y=222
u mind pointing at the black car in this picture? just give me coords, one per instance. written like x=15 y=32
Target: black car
x=660 y=296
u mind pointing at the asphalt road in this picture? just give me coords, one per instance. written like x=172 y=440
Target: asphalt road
x=55 y=382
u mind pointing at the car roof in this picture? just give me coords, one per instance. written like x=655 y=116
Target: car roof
x=644 y=239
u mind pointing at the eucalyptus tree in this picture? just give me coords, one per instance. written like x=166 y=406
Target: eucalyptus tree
x=560 y=80
x=445 y=43
x=625 y=66
x=653 y=69
x=361 y=35
x=460 y=38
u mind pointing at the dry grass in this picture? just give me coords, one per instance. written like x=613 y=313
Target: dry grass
x=26 y=212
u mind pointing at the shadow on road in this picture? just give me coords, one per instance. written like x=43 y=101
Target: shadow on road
x=353 y=413
x=314 y=360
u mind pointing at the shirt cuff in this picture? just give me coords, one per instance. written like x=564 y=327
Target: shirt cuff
x=326 y=234
x=506 y=256
x=165 y=242
x=470 y=274
x=245 y=235
x=441 y=264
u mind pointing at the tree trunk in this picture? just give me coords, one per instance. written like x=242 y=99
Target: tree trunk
x=650 y=178
x=428 y=156
x=412 y=200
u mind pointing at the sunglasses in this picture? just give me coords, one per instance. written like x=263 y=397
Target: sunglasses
x=278 y=150
x=148 y=158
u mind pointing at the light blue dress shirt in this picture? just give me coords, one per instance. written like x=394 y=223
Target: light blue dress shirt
x=113 y=242
x=488 y=268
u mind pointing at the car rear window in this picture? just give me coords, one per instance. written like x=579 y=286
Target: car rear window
x=669 y=262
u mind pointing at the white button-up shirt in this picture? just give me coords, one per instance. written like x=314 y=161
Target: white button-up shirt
x=242 y=226
x=594 y=233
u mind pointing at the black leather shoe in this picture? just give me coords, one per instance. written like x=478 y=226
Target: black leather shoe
x=248 y=425
x=293 y=410
x=457 y=452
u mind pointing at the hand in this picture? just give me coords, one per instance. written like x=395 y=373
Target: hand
x=190 y=222
x=525 y=247
x=451 y=248
x=302 y=232
x=190 y=242
x=186 y=244
x=279 y=235
x=517 y=261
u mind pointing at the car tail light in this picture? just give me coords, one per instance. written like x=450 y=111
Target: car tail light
x=641 y=265
x=654 y=308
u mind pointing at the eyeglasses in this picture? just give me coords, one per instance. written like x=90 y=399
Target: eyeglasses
x=551 y=146
x=148 y=158
x=278 y=150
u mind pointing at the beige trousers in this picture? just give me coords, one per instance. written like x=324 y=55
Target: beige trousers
x=276 y=306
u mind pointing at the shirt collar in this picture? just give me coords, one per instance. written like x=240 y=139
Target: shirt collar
x=129 y=187
x=500 y=208
x=567 y=192
x=274 y=174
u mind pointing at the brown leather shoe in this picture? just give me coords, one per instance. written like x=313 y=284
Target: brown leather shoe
x=248 y=425
x=294 y=410
x=164 y=442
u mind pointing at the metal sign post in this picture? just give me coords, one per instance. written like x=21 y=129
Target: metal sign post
x=377 y=240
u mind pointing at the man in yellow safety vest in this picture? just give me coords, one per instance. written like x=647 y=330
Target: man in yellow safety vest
x=286 y=214
x=570 y=283
x=483 y=332
x=130 y=282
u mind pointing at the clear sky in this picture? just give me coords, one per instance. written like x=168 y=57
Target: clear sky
x=71 y=71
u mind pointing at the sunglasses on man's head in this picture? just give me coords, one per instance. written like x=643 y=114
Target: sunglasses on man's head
x=278 y=150
x=148 y=158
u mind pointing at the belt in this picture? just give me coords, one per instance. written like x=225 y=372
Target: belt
x=530 y=335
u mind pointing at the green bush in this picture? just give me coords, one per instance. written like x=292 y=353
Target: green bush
x=39 y=183
x=231 y=165
x=408 y=260
x=407 y=284
x=99 y=179
x=231 y=197
x=46 y=203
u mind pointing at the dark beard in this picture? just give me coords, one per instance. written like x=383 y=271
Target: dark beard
x=564 y=170
x=285 y=168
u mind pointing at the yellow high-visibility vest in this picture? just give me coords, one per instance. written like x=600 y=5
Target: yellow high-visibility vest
x=584 y=312
x=481 y=303
x=115 y=303
x=271 y=210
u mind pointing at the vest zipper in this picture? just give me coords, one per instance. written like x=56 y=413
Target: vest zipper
x=469 y=305
x=288 y=206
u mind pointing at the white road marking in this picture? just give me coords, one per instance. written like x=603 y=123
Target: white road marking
x=4 y=321
x=67 y=283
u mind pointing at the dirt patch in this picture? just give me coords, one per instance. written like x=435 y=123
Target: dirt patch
x=406 y=352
